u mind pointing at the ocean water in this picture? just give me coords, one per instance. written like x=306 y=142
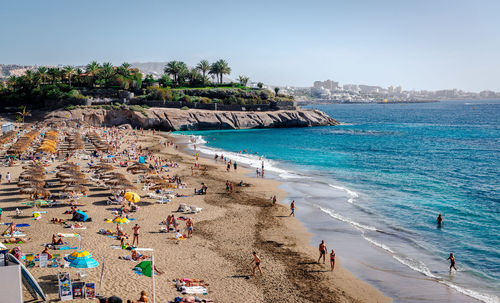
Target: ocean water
x=374 y=186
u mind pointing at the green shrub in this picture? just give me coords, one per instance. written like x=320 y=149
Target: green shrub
x=145 y=106
x=184 y=108
x=70 y=107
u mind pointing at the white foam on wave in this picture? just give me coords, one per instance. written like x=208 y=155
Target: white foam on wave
x=250 y=160
x=472 y=293
x=383 y=246
x=197 y=139
x=353 y=195
x=337 y=216
x=420 y=267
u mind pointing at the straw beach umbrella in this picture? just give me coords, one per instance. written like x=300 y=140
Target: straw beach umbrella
x=31 y=183
x=76 y=188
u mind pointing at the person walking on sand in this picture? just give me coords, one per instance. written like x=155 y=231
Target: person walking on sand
x=190 y=226
x=136 y=234
x=8 y=177
x=452 y=262
x=332 y=259
x=255 y=260
x=292 y=207
x=322 y=251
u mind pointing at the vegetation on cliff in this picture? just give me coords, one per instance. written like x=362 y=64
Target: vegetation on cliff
x=203 y=83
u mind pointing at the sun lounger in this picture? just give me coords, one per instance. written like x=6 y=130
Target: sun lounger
x=163 y=200
x=194 y=209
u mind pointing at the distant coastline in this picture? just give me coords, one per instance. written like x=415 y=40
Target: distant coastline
x=321 y=101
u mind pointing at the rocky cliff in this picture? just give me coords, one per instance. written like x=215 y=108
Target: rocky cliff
x=175 y=119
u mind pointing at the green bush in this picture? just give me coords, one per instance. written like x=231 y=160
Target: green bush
x=184 y=108
x=70 y=107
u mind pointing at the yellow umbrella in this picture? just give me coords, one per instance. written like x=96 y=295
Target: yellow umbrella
x=132 y=197
x=121 y=220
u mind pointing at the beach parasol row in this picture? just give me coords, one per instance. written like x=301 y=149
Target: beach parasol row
x=75 y=141
x=71 y=175
x=98 y=143
x=23 y=143
x=6 y=137
x=49 y=143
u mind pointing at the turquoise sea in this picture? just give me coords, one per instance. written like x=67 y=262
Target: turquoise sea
x=374 y=186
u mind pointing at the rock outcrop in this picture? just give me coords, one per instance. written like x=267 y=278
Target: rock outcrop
x=175 y=119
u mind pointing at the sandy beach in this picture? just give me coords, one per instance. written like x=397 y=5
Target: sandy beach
x=226 y=231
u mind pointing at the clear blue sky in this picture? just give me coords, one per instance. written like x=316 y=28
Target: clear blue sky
x=424 y=44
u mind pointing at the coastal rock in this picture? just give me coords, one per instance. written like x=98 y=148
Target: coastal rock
x=169 y=119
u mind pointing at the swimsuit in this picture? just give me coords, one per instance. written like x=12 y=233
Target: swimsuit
x=257 y=263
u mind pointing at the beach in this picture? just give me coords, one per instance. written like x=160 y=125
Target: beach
x=226 y=232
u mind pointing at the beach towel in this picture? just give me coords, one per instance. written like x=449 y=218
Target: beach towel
x=16 y=234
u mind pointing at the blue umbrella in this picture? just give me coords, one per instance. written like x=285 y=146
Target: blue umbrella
x=82 y=259
x=84 y=263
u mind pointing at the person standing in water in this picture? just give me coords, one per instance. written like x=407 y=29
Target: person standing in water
x=452 y=262
x=440 y=220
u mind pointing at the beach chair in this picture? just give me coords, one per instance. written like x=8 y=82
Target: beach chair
x=112 y=202
x=163 y=200
x=194 y=209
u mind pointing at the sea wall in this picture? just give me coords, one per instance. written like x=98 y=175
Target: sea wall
x=169 y=119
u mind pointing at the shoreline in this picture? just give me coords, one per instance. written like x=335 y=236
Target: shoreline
x=434 y=287
x=299 y=234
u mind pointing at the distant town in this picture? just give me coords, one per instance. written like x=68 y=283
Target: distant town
x=332 y=92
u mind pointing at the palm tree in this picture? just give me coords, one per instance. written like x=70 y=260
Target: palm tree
x=107 y=72
x=69 y=71
x=79 y=73
x=176 y=69
x=22 y=113
x=204 y=68
x=243 y=80
x=220 y=68
x=53 y=72
x=92 y=69
x=215 y=71
x=28 y=77
x=124 y=69
x=195 y=77
x=276 y=91
x=13 y=82
x=42 y=71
